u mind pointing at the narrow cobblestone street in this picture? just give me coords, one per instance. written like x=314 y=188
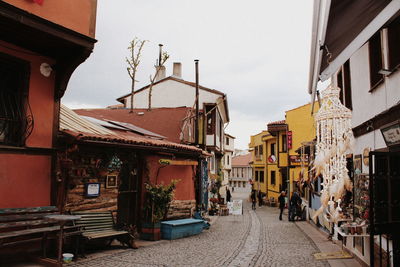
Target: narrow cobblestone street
x=254 y=239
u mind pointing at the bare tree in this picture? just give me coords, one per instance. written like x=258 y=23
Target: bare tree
x=135 y=47
x=163 y=57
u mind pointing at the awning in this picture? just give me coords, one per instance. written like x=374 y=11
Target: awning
x=340 y=28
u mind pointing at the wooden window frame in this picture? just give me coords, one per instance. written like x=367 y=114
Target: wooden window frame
x=273 y=148
x=261 y=176
x=375 y=60
x=393 y=43
x=210 y=125
x=20 y=121
x=284 y=143
x=273 y=177
x=343 y=81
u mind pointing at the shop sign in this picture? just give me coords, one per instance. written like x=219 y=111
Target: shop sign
x=391 y=134
x=235 y=207
x=289 y=139
x=296 y=159
x=92 y=189
x=178 y=162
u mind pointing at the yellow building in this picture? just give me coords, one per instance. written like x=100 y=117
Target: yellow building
x=257 y=148
x=301 y=133
x=277 y=159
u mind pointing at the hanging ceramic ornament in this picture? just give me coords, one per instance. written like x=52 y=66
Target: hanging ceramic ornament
x=334 y=140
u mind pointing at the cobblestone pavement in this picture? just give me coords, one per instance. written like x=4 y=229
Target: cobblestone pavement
x=254 y=239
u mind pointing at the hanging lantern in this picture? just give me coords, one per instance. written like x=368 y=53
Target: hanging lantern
x=334 y=140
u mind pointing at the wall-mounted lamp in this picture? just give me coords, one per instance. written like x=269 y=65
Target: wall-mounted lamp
x=391 y=133
x=45 y=69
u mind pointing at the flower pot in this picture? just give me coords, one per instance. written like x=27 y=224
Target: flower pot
x=151 y=231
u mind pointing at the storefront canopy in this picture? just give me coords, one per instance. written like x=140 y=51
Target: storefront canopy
x=340 y=28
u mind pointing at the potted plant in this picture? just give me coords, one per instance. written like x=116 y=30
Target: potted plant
x=213 y=206
x=158 y=199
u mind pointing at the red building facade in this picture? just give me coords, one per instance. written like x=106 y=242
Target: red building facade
x=39 y=50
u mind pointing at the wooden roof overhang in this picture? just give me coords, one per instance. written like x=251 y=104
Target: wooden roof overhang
x=31 y=32
x=71 y=139
x=274 y=129
x=340 y=28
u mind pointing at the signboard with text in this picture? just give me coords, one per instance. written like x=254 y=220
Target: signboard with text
x=236 y=207
x=289 y=139
x=296 y=159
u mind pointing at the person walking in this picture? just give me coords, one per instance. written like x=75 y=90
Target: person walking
x=253 y=200
x=228 y=195
x=295 y=202
x=281 y=200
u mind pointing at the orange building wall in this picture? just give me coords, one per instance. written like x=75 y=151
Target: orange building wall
x=24 y=180
x=184 y=188
x=77 y=15
x=41 y=96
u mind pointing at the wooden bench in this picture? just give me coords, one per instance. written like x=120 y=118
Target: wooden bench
x=100 y=225
x=181 y=228
x=23 y=225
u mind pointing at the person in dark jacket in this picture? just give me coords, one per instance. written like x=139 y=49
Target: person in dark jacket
x=295 y=202
x=253 y=199
x=281 y=200
x=228 y=195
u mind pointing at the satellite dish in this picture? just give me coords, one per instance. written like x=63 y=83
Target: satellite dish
x=45 y=69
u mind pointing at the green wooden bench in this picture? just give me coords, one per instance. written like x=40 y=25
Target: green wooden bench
x=24 y=225
x=100 y=225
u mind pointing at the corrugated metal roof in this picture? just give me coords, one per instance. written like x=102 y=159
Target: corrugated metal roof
x=69 y=120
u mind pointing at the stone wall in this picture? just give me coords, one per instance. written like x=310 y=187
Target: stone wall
x=85 y=169
x=181 y=209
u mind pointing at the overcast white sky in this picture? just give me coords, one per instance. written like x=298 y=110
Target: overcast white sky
x=257 y=52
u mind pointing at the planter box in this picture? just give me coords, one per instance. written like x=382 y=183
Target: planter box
x=150 y=231
x=181 y=228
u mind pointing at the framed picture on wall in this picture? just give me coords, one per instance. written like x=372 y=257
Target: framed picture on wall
x=111 y=181
x=92 y=189
x=357 y=164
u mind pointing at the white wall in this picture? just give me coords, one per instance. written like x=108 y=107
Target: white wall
x=231 y=145
x=368 y=104
x=210 y=140
x=171 y=93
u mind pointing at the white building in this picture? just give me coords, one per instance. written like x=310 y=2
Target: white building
x=241 y=173
x=229 y=148
x=356 y=44
x=174 y=92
